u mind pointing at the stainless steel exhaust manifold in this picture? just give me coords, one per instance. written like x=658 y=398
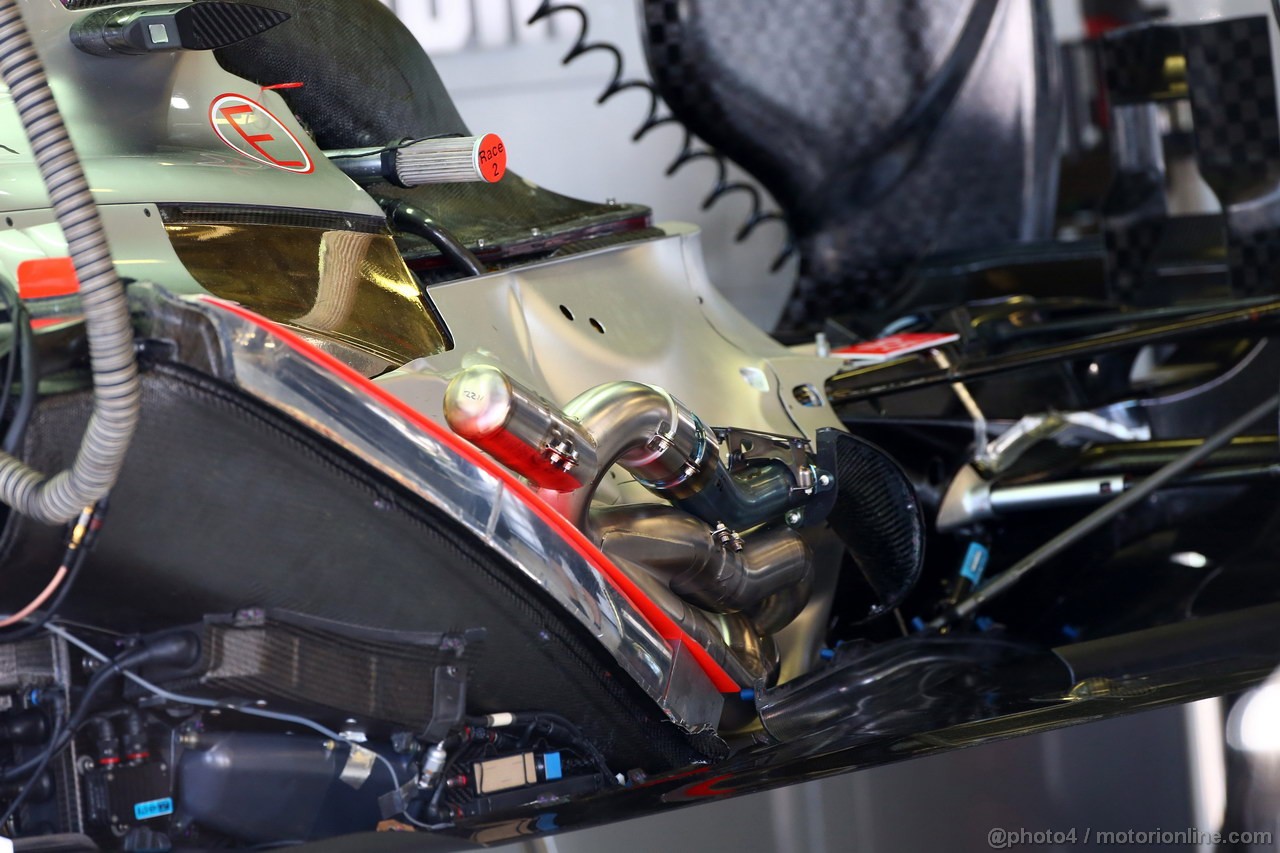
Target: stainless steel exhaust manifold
x=764 y=575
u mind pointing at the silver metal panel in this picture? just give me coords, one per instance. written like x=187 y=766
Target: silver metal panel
x=141 y=125
x=139 y=244
x=663 y=323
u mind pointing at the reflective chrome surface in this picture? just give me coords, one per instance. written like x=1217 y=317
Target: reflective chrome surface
x=722 y=578
x=144 y=131
x=764 y=579
x=659 y=321
x=528 y=434
x=346 y=286
x=269 y=368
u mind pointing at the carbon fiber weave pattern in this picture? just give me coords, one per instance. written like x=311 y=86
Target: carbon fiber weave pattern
x=1231 y=83
x=1134 y=59
x=877 y=516
x=886 y=131
x=1135 y=206
x=367 y=81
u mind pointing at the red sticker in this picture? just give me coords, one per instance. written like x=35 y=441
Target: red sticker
x=43 y=278
x=491 y=158
x=251 y=130
x=894 y=346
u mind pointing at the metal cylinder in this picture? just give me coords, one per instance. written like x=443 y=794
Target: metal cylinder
x=1005 y=499
x=520 y=429
x=731 y=639
x=716 y=570
x=451 y=160
x=448 y=160
x=644 y=429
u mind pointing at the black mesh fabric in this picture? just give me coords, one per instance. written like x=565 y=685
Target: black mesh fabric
x=225 y=505
x=886 y=131
x=366 y=82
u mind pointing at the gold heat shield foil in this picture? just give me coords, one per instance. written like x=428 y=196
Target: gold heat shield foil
x=348 y=287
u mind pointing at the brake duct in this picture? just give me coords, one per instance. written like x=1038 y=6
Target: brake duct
x=742 y=588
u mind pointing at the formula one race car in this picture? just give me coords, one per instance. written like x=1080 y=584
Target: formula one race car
x=401 y=495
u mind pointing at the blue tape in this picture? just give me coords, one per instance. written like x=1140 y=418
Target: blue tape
x=551 y=763
x=975 y=563
x=152 y=808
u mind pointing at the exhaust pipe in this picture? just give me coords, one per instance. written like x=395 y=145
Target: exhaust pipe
x=753 y=586
x=768 y=575
x=644 y=429
x=731 y=639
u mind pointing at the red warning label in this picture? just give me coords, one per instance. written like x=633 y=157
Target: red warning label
x=893 y=346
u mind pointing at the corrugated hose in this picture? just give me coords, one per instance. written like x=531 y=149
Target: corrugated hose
x=61 y=497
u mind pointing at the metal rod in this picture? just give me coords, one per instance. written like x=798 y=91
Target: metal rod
x=844 y=388
x=1099 y=322
x=1104 y=514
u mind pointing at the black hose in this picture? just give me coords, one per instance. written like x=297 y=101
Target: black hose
x=1105 y=514
x=30 y=382
x=409 y=219
x=179 y=648
x=433 y=807
x=10 y=300
x=570 y=732
x=40 y=765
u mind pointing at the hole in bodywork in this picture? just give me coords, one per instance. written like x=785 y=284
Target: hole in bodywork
x=596 y=324
x=564 y=309
x=807 y=395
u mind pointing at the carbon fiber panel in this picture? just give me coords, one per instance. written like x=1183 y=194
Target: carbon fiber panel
x=1231 y=82
x=877 y=516
x=886 y=131
x=367 y=82
x=225 y=506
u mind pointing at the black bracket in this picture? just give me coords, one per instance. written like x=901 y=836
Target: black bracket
x=448 y=701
